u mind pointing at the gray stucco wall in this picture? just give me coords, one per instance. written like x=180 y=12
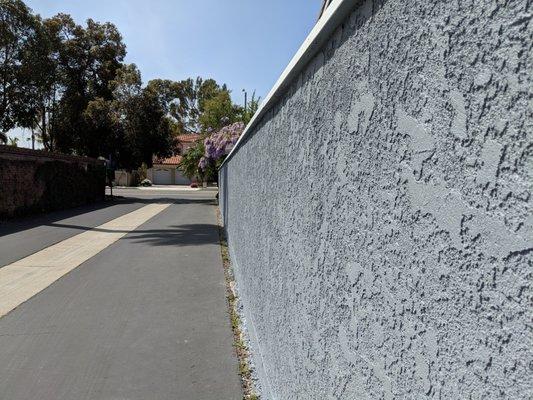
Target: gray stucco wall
x=380 y=216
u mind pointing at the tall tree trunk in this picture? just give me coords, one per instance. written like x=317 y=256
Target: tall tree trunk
x=45 y=136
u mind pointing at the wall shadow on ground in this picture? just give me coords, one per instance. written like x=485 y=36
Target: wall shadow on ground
x=15 y=225
x=52 y=219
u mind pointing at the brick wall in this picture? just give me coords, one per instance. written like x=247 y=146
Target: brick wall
x=37 y=181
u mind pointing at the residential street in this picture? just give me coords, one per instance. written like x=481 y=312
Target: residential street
x=143 y=318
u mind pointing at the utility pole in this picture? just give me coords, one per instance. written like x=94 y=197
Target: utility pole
x=245 y=100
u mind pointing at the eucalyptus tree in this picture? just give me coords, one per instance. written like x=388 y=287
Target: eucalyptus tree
x=18 y=27
x=218 y=111
x=42 y=79
x=199 y=92
x=89 y=59
x=141 y=116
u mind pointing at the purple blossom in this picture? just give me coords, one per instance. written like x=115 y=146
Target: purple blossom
x=219 y=144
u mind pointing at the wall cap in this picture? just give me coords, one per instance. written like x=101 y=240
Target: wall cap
x=21 y=152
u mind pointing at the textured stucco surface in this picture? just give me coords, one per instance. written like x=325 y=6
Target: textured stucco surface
x=380 y=217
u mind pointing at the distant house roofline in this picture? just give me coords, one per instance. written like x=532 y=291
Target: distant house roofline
x=174 y=160
x=188 y=137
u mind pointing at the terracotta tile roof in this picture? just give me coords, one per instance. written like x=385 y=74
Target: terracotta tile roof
x=174 y=160
x=188 y=138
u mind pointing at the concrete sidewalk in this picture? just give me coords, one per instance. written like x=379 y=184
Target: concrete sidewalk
x=146 y=318
x=169 y=188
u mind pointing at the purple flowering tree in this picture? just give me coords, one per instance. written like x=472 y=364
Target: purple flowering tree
x=219 y=144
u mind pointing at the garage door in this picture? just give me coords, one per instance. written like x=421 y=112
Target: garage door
x=162 y=177
x=181 y=179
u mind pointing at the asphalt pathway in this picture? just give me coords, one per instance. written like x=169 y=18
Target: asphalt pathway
x=26 y=236
x=145 y=318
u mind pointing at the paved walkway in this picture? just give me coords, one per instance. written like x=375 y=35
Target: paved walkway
x=163 y=188
x=143 y=318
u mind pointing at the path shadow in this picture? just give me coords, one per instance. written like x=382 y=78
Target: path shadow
x=185 y=235
x=53 y=218
x=177 y=235
x=32 y=221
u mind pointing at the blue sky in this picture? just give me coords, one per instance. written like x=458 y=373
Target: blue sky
x=244 y=43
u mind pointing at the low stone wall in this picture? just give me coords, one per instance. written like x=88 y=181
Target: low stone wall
x=37 y=181
x=380 y=214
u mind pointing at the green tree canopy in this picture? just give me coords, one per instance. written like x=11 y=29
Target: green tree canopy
x=141 y=119
x=68 y=83
x=89 y=60
x=218 y=111
x=18 y=27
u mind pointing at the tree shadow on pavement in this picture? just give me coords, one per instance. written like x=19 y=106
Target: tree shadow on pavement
x=177 y=235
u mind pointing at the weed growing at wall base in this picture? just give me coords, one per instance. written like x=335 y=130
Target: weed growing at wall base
x=243 y=354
